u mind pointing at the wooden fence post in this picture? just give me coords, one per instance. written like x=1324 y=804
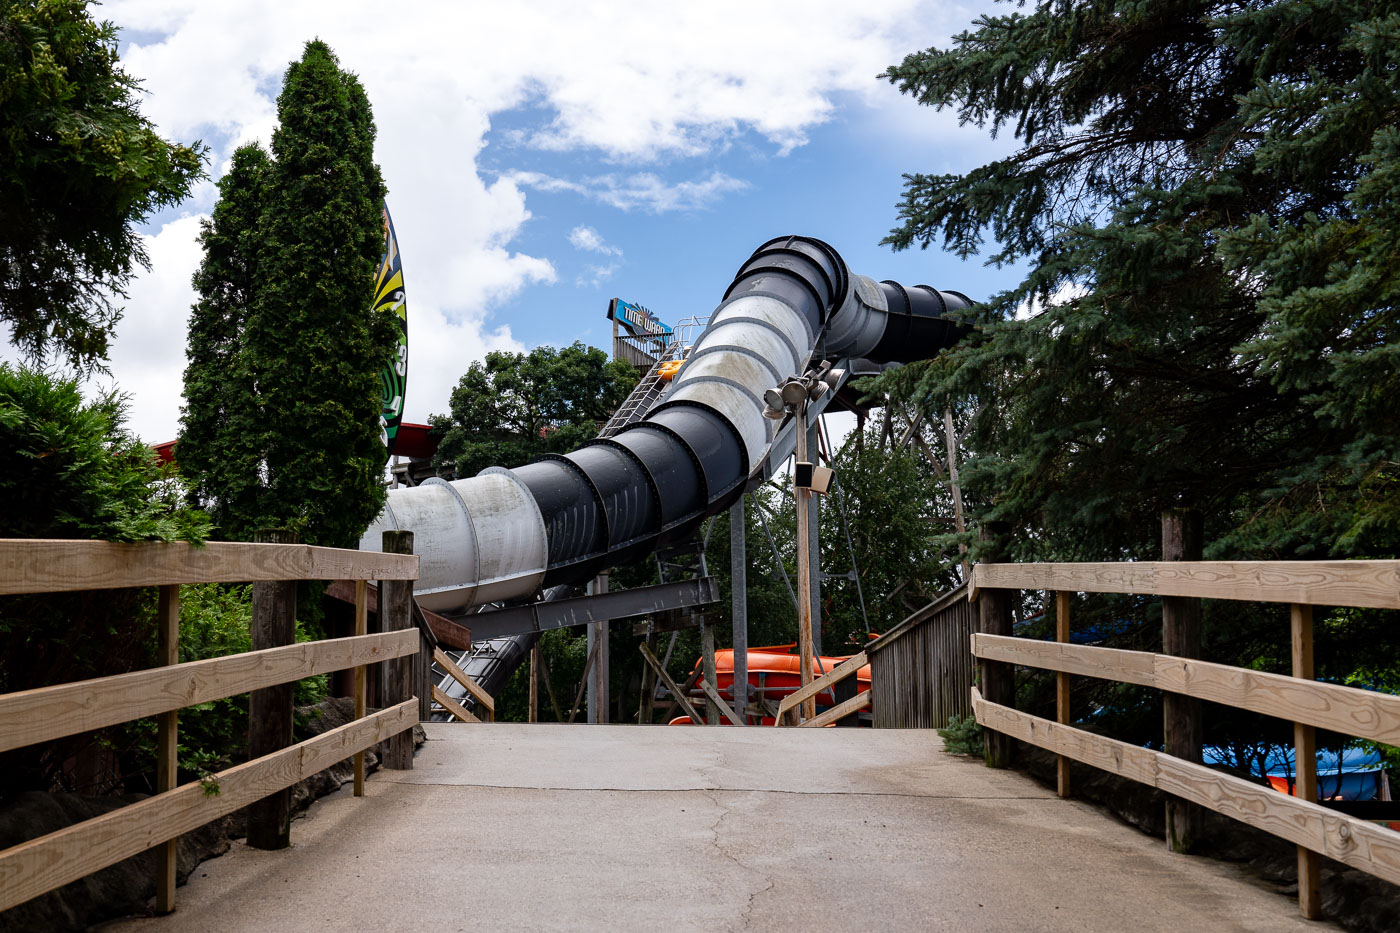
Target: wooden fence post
x=396 y=614
x=1182 y=539
x=361 y=676
x=423 y=670
x=1062 y=713
x=167 y=742
x=1305 y=763
x=270 y=709
x=994 y=616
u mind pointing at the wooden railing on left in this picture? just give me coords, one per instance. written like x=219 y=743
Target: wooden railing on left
x=43 y=714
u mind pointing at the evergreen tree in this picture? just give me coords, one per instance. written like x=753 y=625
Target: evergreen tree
x=1203 y=199
x=221 y=428
x=281 y=423
x=79 y=167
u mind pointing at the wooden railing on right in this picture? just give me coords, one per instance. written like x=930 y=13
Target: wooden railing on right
x=32 y=716
x=1305 y=702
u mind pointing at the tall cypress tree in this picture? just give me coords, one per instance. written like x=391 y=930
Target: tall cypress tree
x=220 y=425
x=281 y=421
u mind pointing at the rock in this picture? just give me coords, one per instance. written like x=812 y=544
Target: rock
x=121 y=888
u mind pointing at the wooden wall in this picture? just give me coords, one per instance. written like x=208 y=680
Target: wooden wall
x=921 y=670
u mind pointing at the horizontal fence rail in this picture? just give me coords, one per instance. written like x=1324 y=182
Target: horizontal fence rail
x=1365 y=714
x=1305 y=702
x=46 y=713
x=1368 y=584
x=53 y=566
x=31 y=868
x=1357 y=843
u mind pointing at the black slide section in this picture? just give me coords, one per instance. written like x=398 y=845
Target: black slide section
x=617 y=499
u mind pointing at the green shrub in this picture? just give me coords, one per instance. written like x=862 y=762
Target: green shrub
x=70 y=469
x=215 y=620
x=962 y=736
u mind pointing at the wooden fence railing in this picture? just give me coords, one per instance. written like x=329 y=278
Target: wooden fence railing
x=920 y=671
x=791 y=706
x=1305 y=702
x=453 y=708
x=39 y=566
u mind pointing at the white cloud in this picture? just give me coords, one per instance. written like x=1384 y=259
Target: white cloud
x=649 y=193
x=623 y=86
x=148 y=354
x=593 y=275
x=589 y=240
x=644 y=191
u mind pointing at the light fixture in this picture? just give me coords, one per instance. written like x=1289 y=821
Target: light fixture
x=793 y=391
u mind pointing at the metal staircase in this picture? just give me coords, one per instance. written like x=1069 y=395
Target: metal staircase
x=657 y=379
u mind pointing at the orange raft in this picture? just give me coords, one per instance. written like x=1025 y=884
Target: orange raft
x=774 y=673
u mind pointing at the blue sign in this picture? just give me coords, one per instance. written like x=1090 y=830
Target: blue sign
x=638 y=320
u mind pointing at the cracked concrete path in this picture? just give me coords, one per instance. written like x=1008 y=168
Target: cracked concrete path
x=516 y=827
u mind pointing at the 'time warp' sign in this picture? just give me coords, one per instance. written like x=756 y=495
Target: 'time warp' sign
x=638 y=320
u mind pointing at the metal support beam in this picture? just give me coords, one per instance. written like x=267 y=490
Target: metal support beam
x=598 y=646
x=584 y=610
x=739 y=607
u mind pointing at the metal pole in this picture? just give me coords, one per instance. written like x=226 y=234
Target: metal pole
x=598 y=644
x=739 y=603
x=590 y=701
x=808 y=707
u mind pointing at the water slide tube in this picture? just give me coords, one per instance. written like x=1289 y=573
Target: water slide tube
x=505 y=534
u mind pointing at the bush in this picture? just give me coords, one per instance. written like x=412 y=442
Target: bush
x=962 y=736
x=69 y=469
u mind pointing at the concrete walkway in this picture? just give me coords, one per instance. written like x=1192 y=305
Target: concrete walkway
x=512 y=827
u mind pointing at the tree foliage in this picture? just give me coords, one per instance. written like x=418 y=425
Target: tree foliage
x=514 y=407
x=70 y=469
x=1202 y=199
x=221 y=429
x=1203 y=196
x=280 y=424
x=79 y=167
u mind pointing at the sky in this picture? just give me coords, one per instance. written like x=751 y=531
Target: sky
x=543 y=158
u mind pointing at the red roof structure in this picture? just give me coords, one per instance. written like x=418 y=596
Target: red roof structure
x=413 y=441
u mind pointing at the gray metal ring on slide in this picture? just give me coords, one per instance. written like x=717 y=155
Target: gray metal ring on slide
x=543 y=533
x=780 y=299
x=471 y=525
x=744 y=351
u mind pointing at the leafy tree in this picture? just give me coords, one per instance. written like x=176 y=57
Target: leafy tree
x=79 y=167
x=280 y=428
x=516 y=406
x=902 y=540
x=70 y=469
